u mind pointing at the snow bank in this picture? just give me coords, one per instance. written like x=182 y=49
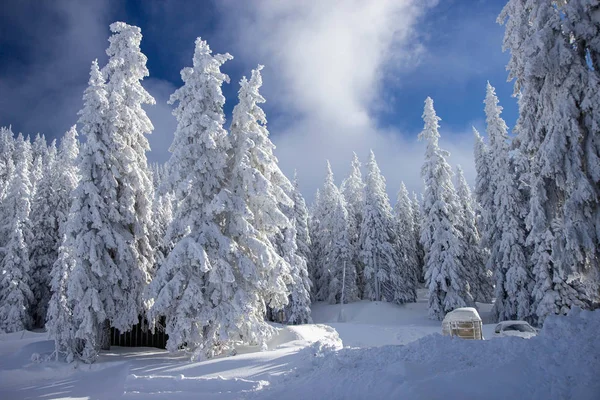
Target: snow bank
x=563 y=362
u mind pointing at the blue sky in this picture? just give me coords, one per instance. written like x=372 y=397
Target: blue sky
x=340 y=76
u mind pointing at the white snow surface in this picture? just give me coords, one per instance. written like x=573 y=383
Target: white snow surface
x=389 y=351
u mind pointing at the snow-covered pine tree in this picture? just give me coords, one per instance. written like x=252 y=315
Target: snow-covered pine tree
x=297 y=253
x=512 y=270
x=16 y=296
x=113 y=200
x=387 y=277
x=554 y=87
x=338 y=252
x=325 y=204
x=65 y=175
x=446 y=277
x=39 y=157
x=128 y=126
x=195 y=287
x=49 y=212
x=405 y=230
x=301 y=219
x=353 y=190
x=7 y=165
x=417 y=222
x=259 y=193
x=474 y=257
x=297 y=311
x=484 y=195
x=315 y=263
x=86 y=264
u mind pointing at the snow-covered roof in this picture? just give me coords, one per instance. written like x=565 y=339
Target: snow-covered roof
x=462 y=314
x=511 y=322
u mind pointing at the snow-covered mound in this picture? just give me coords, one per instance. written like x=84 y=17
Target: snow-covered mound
x=563 y=362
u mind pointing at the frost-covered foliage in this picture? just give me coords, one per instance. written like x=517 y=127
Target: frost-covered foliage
x=16 y=297
x=405 y=231
x=258 y=195
x=296 y=251
x=353 y=190
x=557 y=131
x=512 y=272
x=387 y=276
x=7 y=165
x=111 y=211
x=337 y=273
x=338 y=254
x=446 y=277
x=474 y=256
x=420 y=252
x=49 y=212
x=39 y=161
x=302 y=222
x=484 y=196
x=315 y=267
x=195 y=285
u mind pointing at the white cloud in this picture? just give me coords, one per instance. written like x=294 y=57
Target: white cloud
x=326 y=64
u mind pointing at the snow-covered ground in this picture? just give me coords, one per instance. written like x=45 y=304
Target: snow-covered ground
x=410 y=360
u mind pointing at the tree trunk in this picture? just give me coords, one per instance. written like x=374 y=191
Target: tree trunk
x=104 y=335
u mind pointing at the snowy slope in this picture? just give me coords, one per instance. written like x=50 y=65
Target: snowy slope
x=308 y=361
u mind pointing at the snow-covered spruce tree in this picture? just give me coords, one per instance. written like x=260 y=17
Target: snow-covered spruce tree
x=16 y=296
x=85 y=269
x=301 y=219
x=417 y=222
x=49 y=212
x=512 y=270
x=353 y=190
x=198 y=288
x=39 y=160
x=474 y=257
x=338 y=253
x=298 y=255
x=405 y=226
x=65 y=175
x=582 y=20
x=484 y=195
x=7 y=165
x=554 y=86
x=297 y=311
x=387 y=275
x=325 y=203
x=113 y=200
x=446 y=277
x=260 y=221
x=315 y=264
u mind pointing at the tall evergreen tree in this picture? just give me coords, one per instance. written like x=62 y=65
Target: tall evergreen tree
x=259 y=193
x=405 y=229
x=196 y=277
x=446 y=277
x=474 y=257
x=315 y=265
x=338 y=253
x=353 y=190
x=7 y=165
x=113 y=200
x=387 y=276
x=420 y=252
x=65 y=177
x=49 y=212
x=554 y=88
x=39 y=160
x=512 y=271
x=16 y=297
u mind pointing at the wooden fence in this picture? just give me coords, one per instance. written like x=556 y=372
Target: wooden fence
x=140 y=335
